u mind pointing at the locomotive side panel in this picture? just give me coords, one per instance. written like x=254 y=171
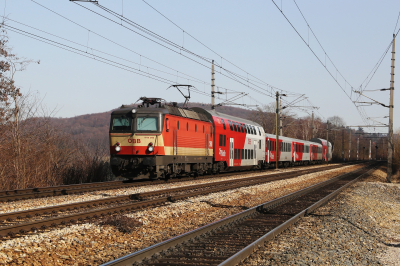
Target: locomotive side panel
x=187 y=137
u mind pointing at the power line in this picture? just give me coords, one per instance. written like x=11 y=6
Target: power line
x=165 y=41
x=316 y=56
x=93 y=49
x=88 y=54
x=184 y=31
x=158 y=37
x=105 y=38
x=141 y=55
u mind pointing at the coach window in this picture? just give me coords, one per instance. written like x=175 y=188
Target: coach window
x=239 y=127
x=224 y=140
x=243 y=155
x=259 y=131
x=203 y=128
x=239 y=154
x=251 y=154
x=211 y=131
x=244 y=128
x=259 y=144
x=187 y=126
x=221 y=140
x=195 y=128
x=178 y=124
x=235 y=156
x=234 y=126
x=230 y=125
x=223 y=123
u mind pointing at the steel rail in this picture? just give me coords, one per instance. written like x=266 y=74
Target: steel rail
x=248 y=250
x=145 y=195
x=32 y=193
x=22 y=228
x=169 y=246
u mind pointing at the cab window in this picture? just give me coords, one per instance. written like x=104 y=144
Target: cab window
x=146 y=123
x=121 y=123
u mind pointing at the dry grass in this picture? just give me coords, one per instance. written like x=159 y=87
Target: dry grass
x=379 y=175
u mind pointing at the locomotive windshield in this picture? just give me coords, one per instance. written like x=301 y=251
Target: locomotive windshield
x=147 y=123
x=122 y=123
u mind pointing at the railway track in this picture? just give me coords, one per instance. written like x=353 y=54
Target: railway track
x=22 y=222
x=229 y=241
x=32 y=193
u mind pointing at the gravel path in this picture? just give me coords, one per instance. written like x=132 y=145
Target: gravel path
x=93 y=244
x=360 y=227
x=59 y=200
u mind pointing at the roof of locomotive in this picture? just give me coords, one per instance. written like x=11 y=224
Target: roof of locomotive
x=165 y=109
x=211 y=113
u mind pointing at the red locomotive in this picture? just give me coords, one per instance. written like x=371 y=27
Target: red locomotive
x=160 y=140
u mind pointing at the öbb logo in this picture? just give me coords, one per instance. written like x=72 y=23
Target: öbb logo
x=134 y=140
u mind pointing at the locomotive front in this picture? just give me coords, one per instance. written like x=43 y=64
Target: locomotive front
x=136 y=139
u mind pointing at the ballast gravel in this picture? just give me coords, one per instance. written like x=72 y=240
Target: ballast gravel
x=92 y=244
x=23 y=205
x=360 y=227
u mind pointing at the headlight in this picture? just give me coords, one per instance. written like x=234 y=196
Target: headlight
x=151 y=148
x=117 y=148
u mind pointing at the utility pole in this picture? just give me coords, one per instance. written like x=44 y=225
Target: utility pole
x=390 y=140
x=212 y=87
x=358 y=145
x=343 y=144
x=327 y=140
x=349 y=143
x=370 y=154
x=280 y=117
x=312 y=125
x=277 y=131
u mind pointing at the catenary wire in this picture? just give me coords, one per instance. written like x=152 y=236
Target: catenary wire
x=335 y=79
x=203 y=58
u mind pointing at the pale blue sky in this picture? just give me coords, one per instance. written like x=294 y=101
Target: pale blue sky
x=252 y=34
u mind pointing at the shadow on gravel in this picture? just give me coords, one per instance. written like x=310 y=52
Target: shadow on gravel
x=224 y=206
x=121 y=223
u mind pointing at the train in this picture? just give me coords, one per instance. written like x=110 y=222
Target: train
x=161 y=140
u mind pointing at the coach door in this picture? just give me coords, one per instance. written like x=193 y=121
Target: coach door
x=231 y=151
x=255 y=153
x=294 y=152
